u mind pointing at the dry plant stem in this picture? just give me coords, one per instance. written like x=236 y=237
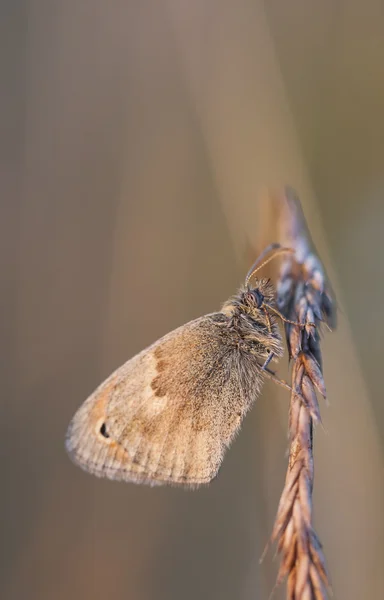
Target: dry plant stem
x=303 y=295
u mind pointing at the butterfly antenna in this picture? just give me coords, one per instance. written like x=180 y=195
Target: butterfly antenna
x=277 y=250
x=278 y=313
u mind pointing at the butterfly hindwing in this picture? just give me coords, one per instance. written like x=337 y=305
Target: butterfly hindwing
x=168 y=414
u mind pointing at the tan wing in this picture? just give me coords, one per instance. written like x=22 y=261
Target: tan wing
x=169 y=413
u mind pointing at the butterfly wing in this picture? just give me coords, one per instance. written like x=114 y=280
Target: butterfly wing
x=169 y=413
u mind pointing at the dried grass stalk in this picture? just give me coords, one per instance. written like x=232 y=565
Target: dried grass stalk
x=304 y=296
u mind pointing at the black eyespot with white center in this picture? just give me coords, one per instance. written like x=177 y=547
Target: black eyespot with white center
x=103 y=431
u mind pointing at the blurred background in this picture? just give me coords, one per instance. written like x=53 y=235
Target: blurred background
x=138 y=139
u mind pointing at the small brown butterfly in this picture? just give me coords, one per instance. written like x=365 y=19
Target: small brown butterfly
x=168 y=415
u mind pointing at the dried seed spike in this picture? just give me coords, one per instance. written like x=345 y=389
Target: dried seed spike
x=307 y=300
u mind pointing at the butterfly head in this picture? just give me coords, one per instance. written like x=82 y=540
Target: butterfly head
x=251 y=315
x=258 y=296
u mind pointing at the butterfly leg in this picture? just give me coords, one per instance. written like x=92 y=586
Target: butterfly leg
x=272 y=376
x=280 y=382
x=265 y=365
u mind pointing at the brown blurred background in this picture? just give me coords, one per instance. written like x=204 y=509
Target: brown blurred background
x=137 y=142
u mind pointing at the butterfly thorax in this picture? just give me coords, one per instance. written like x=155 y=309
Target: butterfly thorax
x=252 y=322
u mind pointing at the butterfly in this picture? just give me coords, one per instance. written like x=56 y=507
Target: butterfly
x=168 y=415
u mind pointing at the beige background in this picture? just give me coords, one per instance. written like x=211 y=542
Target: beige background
x=137 y=142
